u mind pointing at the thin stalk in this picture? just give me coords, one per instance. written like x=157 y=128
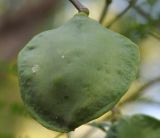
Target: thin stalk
x=143 y=13
x=154 y=35
x=105 y=10
x=131 y=3
x=139 y=91
x=79 y=6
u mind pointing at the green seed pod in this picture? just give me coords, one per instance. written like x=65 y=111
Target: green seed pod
x=75 y=73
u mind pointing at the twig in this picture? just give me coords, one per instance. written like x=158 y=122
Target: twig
x=105 y=10
x=138 y=92
x=148 y=17
x=154 y=35
x=131 y=3
x=142 y=12
x=79 y=6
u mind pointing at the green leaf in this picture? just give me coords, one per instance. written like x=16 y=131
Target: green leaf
x=137 y=126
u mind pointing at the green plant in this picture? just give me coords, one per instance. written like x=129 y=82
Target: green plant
x=64 y=83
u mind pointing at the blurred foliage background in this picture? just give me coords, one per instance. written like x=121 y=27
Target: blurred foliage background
x=20 y=20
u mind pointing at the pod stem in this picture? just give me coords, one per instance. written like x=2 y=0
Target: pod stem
x=79 y=6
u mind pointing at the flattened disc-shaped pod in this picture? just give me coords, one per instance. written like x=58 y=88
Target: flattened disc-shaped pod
x=137 y=126
x=76 y=73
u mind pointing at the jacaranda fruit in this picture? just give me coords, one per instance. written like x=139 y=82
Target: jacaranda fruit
x=76 y=73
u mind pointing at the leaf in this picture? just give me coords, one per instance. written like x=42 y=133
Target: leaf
x=137 y=126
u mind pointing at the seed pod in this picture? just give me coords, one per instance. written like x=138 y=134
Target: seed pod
x=75 y=73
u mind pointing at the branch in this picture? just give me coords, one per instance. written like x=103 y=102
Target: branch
x=139 y=91
x=79 y=6
x=154 y=35
x=142 y=12
x=105 y=10
x=148 y=17
x=131 y=3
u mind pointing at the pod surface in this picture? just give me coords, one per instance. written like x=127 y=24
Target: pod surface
x=75 y=73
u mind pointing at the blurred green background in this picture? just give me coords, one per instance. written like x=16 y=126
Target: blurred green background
x=20 y=20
